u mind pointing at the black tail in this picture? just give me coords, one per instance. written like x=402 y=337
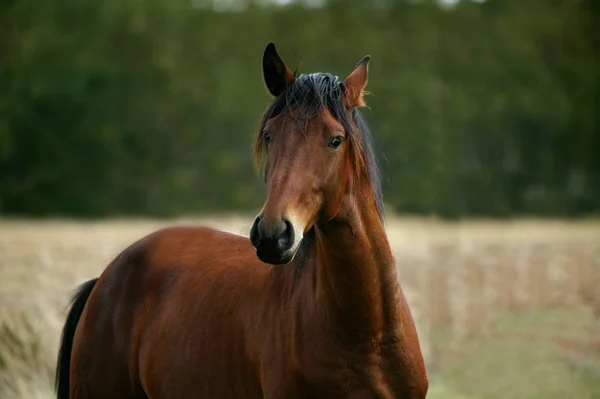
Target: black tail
x=63 y=363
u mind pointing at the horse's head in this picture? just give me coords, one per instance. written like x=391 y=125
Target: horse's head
x=310 y=137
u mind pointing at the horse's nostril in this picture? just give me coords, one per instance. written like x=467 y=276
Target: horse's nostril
x=289 y=229
x=286 y=238
x=255 y=235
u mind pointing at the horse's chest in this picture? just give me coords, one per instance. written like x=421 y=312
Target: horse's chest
x=337 y=375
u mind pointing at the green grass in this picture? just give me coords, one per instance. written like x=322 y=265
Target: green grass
x=443 y=391
x=533 y=355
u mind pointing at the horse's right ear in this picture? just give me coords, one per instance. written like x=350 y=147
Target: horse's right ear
x=277 y=75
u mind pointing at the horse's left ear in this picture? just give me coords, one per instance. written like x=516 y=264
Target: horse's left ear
x=277 y=75
x=355 y=84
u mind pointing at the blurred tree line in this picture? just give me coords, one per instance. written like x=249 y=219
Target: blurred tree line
x=148 y=107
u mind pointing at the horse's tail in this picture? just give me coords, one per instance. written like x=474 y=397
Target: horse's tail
x=63 y=363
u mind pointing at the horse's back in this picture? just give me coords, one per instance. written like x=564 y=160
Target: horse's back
x=166 y=313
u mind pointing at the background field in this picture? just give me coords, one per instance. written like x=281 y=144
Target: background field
x=504 y=309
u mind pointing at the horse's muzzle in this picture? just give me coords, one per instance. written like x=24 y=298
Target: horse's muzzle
x=274 y=242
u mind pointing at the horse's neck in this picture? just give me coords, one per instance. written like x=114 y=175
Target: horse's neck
x=355 y=298
x=356 y=275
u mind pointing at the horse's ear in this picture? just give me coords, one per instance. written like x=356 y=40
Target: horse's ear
x=277 y=75
x=355 y=84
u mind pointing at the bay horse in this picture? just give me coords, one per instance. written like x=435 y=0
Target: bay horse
x=308 y=306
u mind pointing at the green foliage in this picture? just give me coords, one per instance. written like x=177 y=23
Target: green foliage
x=134 y=107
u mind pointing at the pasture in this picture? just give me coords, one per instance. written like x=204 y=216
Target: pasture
x=504 y=309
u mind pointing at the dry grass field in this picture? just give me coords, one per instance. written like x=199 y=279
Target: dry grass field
x=504 y=309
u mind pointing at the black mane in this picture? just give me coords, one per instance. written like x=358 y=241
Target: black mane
x=308 y=94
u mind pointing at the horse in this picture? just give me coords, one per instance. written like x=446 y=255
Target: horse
x=308 y=305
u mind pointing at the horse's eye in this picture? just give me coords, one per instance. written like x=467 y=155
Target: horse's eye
x=267 y=137
x=336 y=142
